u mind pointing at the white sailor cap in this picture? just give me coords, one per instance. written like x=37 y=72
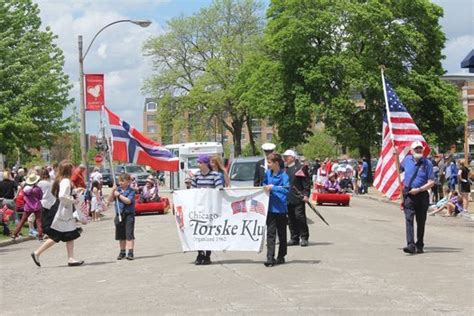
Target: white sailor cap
x=268 y=146
x=289 y=152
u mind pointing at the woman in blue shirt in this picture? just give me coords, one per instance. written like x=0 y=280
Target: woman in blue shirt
x=276 y=183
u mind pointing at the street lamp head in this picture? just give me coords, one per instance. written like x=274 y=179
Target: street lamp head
x=142 y=23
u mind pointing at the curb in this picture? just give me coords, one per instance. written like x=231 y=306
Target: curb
x=12 y=242
x=379 y=199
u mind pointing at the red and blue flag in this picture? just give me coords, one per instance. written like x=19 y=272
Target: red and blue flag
x=129 y=145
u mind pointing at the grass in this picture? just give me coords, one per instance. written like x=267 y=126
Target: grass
x=24 y=231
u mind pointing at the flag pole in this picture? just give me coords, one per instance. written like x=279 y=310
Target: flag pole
x=395 y=151
x=112 y=171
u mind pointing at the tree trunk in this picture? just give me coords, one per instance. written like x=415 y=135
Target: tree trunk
x=251 y=140
x=365 y=152
x=237 y=136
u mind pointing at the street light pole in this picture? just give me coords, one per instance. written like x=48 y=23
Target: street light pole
x=142 y=23
x=82 y=108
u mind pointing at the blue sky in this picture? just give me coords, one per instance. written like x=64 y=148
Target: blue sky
x=117 y=51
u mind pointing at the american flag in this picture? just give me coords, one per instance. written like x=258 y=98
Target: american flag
x=238 y=207
x=405 y=132
x=130 y=145
x=257 y=207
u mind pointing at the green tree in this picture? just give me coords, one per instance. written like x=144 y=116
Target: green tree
x=319 y=145
x=328 y=54
x=198 y=62
x=33 y=87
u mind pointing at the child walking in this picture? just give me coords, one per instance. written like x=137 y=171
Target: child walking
x=125 y=206
x=96 y=201
x=33 y=196
x=276 y=183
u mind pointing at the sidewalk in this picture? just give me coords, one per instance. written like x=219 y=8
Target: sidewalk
x=375 y=195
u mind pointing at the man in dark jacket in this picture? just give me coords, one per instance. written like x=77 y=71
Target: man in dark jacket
x=299 y=179
x=261 y=165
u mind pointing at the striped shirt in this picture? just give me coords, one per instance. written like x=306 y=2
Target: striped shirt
x=210 y=180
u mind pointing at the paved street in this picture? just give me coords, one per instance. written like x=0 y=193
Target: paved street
x=355 y=266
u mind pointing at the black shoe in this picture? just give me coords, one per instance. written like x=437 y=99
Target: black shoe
x=206 y=261
x=121 y=256
x=199 y=259
x=304 y=243
x=280 y=260
x=75 y=264
x=130 y=256
x=419 y=250
x=293 y=242
x=270 y=262
x=35 y=259
x=409 y=249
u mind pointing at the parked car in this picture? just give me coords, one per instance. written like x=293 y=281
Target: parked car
x=106 y=177
x=136 y=171
x=242 y=170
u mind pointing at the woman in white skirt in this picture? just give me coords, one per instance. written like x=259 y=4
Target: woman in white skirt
x=63 y=227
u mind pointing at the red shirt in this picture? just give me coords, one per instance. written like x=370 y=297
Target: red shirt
x=77 y=179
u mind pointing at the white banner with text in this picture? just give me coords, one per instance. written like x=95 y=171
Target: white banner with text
x=213 y=219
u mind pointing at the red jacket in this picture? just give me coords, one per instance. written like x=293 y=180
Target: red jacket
x=77 y=179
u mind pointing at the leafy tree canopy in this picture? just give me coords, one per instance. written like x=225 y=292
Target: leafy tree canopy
x=33 y=88
x=325 y=56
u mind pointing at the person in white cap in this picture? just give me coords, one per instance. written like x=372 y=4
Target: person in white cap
x=300 y=187
x=418 y=179
x=261 y=165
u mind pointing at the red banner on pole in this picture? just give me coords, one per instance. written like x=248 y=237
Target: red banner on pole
x=95 y=97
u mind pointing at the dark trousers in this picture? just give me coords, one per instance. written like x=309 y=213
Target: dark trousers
x=416 y=206
x=364 y=185
x=435 y=189
x=276 y=223
x=297 y=222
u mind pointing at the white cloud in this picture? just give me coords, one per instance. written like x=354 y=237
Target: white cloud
x=116 y=52
x=456 y=50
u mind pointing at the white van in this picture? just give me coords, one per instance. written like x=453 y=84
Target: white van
x=188 y=154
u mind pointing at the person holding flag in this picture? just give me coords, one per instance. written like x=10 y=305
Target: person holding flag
x=399 y=135
x=418 y=179
x=125 y=216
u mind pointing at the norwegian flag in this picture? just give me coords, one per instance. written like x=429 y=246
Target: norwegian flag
x=238 y=207
x=401 y=131
x=257 y=207
x=130 y=145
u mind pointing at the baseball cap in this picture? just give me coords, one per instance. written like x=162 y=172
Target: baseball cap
x=289 y=152
x=416 y=144
x=268 y=146
x=203 y=159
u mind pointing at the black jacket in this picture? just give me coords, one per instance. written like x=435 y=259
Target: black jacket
x=259 y=173
x=302 y=183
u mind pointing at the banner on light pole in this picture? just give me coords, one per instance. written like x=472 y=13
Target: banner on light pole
x=95 y=96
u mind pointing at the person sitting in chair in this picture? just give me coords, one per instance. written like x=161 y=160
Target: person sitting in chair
x=332 y=185
x=149 y=191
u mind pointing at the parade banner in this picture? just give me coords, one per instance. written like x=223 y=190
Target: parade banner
x=213 y=219
x=95 y=98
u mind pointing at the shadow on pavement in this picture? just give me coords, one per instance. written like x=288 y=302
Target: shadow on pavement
x=3 y=250
x=311 y=243
x=304 y=261
x=98 y=263
x=442 y=249
x=237 y=261
x=157 y=256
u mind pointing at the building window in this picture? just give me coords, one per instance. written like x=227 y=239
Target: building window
x=269 y=136
x=151 y=106
x=151 y=117
x=151 y=129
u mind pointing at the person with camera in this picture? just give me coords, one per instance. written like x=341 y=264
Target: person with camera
x=418 y=179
